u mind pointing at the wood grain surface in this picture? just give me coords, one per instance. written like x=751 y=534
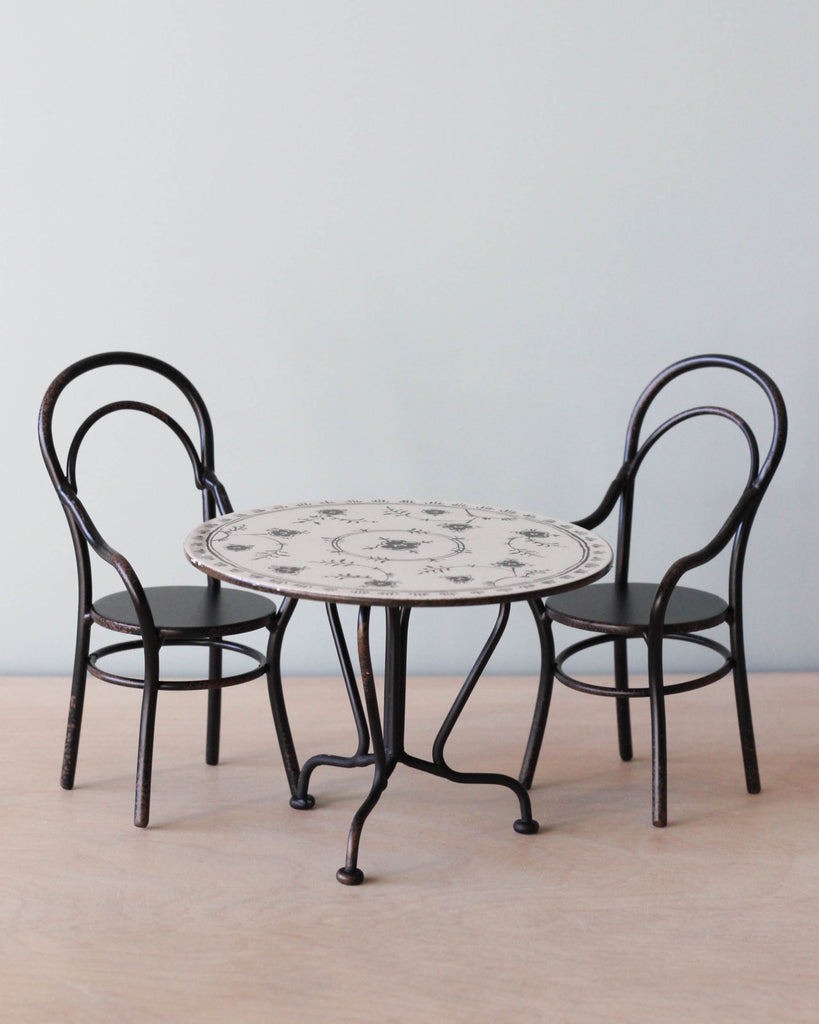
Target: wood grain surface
x=227 y=907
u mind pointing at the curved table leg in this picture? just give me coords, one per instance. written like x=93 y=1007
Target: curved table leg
x=544 y=691
x=274 y=690
x=351 y=874
x=395 y=685
x=388 y=741
x=525 y=824
x=349 y=680
x=362 y=756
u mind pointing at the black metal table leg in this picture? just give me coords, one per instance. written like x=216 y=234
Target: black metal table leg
x=349 y=680
x=351 y=874
x=526 y=823
x=362 y=757
x=301 y=801
x=388 y=745
x=544 y=692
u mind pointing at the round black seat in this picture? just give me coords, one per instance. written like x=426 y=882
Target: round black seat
x=625 y=610
x=187 y=611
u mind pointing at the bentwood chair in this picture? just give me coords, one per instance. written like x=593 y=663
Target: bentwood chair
x=664 y=611
x=155 y=618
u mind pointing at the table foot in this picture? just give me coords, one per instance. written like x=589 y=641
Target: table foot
x=303 y=803
x=526 y=828
x=350 y=876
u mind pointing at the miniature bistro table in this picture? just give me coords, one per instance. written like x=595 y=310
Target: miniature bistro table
x=399 y=555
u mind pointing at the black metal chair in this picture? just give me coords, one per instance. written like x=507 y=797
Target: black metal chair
x=662 y=611
x=157 y=617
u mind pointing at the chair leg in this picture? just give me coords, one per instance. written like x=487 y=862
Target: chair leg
x=145 y=754
x=544 y=693
x=743 y=699
x=659 y=757
x=75 y=707
x=623 y=706
x=214 y=726
x=214 y=708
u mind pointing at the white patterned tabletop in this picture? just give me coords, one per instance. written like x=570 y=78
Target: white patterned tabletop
x=398 y=552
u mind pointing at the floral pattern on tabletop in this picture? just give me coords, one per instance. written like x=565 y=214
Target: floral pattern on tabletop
x=398 y=552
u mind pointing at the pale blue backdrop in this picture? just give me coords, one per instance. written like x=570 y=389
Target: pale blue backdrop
x=410 y=249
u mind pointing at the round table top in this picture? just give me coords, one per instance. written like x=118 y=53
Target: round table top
x=379 y=552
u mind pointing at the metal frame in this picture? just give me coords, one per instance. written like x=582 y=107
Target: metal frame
x=382 y=729
x=735 y=530
x=86 y=539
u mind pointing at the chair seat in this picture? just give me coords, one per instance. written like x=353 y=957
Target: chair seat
x=625 y=610
x=187 y=611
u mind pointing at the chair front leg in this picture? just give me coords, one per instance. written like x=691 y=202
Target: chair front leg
x=659 y=757
x=145 y=752
x=76 y=702
x=544 y=692
x=743 y=699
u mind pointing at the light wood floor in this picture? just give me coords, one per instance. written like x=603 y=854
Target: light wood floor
x=227 y=908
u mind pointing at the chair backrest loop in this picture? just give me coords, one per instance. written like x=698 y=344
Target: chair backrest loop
x=64 y=476
x=150 y=410
x=738 y=522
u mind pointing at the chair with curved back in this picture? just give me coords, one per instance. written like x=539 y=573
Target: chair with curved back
x=204 y=615
x=661 y=611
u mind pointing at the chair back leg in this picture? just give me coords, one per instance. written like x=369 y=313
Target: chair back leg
x=623 y=706
x=659 y=756
x=214 y=708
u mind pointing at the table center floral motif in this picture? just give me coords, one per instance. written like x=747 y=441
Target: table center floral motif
x=393 y=552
